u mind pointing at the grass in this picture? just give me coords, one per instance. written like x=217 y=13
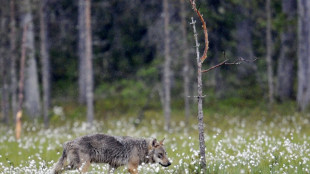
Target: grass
x=238 y=140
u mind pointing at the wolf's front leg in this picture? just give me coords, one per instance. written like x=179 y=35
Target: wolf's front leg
x=84 y=167
x=111 y=170
x=84 y=162
x=133 y=168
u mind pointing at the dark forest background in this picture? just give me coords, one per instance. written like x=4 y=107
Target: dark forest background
x=128 y=52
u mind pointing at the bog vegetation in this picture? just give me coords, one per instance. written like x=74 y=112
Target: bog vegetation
x=238 y=140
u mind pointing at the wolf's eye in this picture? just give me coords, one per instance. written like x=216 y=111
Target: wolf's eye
x=160 y=155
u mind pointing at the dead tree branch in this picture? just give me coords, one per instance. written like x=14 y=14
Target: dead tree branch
x=225 y=62
x=204 y=56
x=215 y=66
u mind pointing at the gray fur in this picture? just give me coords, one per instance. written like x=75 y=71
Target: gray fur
x=113 y=150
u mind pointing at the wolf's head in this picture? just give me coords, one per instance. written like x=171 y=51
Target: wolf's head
x=159 y=154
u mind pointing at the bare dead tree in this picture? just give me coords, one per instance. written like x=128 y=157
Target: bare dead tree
x=89 y=66
x=19 y=114
x=45 y=61
x=200 y=60
x=200 y=96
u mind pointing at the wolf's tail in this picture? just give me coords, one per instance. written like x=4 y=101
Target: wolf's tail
x=60 y=164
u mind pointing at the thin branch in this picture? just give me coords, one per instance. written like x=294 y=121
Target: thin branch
x=216 y=66
x=225 y=62
x=204 y=56
x=240 y=60
x=203 y=96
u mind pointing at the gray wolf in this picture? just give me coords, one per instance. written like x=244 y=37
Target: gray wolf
x=114 y=150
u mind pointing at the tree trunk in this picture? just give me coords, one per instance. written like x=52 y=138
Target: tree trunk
x=200 y=97
x=5 y=90
x=45 y=61
x=285 y=71
x=5 y=86
x=81 y=52
x=13 y=58
x=89 y=68
x=303 y=93
x=244 y=45
x=32 y=95
x=19 y=114
x=4 y=67
x=269 y=54
x=167 y=71
x=186 y=74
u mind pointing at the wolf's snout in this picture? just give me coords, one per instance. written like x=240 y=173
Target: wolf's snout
x=166 y=165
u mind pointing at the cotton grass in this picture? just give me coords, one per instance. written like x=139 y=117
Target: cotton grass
x=234 y=144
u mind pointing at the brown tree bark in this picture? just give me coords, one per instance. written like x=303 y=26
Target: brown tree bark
x=303 y=91
x=285 y=70
x=167 y=64
x=89 y=66
x=269 y=54
x=45 y=61
x=82 y=51
x=186 y=73
x=32 y=94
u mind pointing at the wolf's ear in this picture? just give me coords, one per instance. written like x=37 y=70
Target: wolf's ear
x=154 y=143
x=162 y=142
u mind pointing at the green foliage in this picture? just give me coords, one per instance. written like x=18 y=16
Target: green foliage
x=122 y=96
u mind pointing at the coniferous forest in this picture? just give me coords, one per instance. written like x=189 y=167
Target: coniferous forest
x=225 y=82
